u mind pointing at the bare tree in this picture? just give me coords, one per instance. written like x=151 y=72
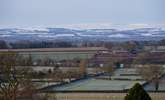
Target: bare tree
x=57 y=75
x=12 y=77
x=82 y=67
x=149 y=69
x=109 y=69
x=16 y=81
x=152 y=73
x=72 y=74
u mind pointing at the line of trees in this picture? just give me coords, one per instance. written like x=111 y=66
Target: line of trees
x=151 y=67
x=126 y=45
x=39 y=44
x=15 y=81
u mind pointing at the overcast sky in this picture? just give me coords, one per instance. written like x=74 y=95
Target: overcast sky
x=30 y=13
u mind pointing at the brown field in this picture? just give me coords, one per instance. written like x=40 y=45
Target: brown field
x=101 y=96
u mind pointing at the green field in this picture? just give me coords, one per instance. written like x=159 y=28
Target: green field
x=96 y=85
x=58 y=55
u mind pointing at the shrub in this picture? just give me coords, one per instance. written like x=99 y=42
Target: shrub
x=137 y=93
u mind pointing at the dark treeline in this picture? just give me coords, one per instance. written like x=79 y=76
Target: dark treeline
x=3 y=45
x=127 y=45
x=38 y=44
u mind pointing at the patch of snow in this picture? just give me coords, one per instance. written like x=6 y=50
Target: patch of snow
x=5 y=35
x=63 y=35
x=147 y=34
x=119 y=35
x=33 y=33
x=46 y=36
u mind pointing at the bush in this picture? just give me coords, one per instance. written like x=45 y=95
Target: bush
x=137 y=93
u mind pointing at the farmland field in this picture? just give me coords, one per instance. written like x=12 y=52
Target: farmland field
x=101 y=96
x=96 y=85
x=58 y=55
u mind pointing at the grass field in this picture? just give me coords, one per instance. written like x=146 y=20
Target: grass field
x=59 y=55
x=101 y=96
x=97 y=85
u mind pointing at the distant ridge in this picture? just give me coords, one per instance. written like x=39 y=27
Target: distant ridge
x=64 y=34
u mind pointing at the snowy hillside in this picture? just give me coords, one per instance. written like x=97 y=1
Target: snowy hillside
x=13 y=34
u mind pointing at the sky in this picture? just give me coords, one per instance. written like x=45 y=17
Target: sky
x=79 y=13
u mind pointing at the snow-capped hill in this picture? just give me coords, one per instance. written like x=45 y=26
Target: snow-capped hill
x=13 y=34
